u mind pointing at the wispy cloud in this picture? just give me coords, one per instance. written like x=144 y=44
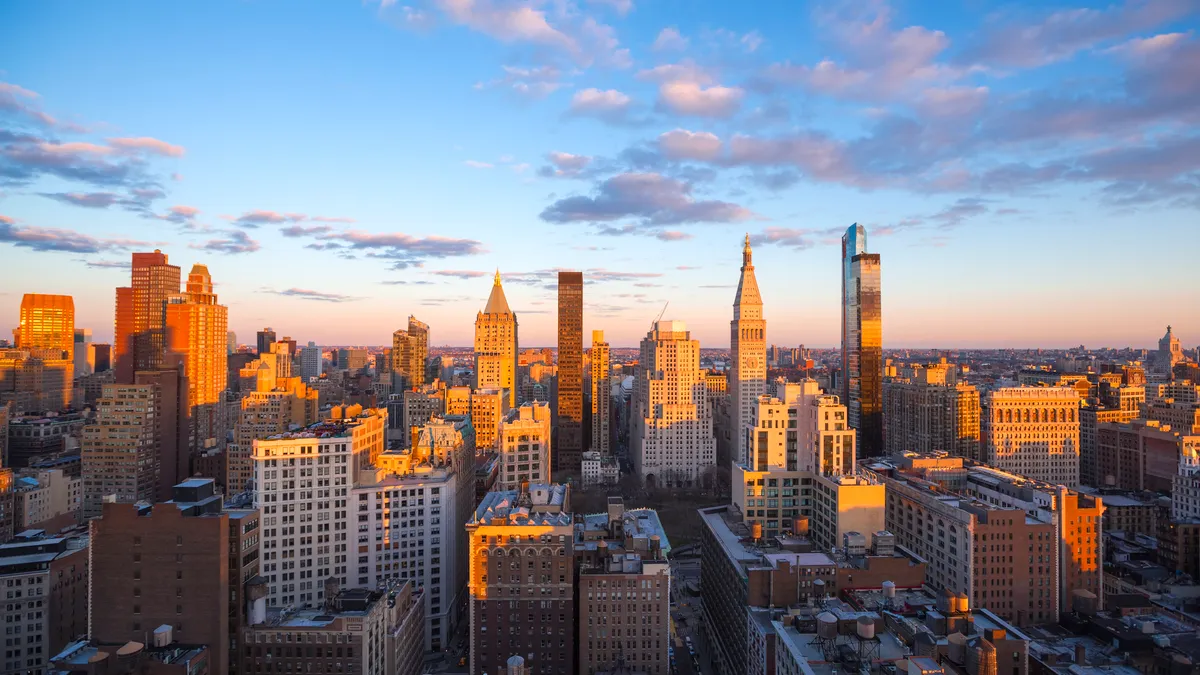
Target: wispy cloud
x=46 y=239
x=459 y=274
x=306 y=294
x=652 y=198
x=235 y=241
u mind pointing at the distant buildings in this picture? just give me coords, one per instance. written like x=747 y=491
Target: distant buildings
x=672 y=441
x=569 y=412
x=410 y=348
x=598 y=469
x=141 y=315
x=1033 y=432
x=748 y=355
x=496 y=345
x=932 y=417
x=601 y=395
x=525 y=446
x=36 y=380
x=862 y=340
x=48 y=322
x=310 y=362
x=265 y=338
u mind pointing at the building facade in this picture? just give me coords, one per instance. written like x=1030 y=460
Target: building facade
x=930 y=417
x=196 y=331
x=140 y=331
x=525 y=446
x=410 y=349
x=496 y=345
x=120 y=450
x=862 y=340
x=569 y=411
x=46 y=604
x=748 y=354
x=601 y=395
x=48 y=322
x=1033 y=432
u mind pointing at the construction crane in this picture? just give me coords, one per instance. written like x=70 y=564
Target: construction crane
x=660 y=314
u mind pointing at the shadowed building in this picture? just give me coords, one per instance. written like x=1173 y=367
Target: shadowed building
x=568 y=446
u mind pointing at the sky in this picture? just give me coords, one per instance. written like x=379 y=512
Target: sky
x=1028 y=172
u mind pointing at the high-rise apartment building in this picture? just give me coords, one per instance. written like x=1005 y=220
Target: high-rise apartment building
x=568 y=447
x=1033 y=432
x=231 y=343
x=928 y=417
x=140 y=338
x=310 y=362
x=174 y=427
x=303 y=480
x=46 y=584
x=48 y=322
x=36 y=380
x=166 y=564
x=525 y=455
x=672 y=439
x=265 y=338
x=496 y=345
x=748 y=354
x=121 y=447
x=196 y=328
x=410 y=349
x=1017 y=546
x=289 y=404
x=522 y=580
x=486 y=408
x=862 y=340
x=601 y=395
x=1091 y=417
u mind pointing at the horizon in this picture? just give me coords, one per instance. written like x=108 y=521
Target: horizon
x=1026 y=172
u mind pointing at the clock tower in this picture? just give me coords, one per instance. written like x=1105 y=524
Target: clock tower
x=748 y=356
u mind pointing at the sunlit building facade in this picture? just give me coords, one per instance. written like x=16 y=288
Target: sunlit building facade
x=121 y=447
x=525 y=455
x=141 y=315
x=862 y=340
x=748 y=354
x=196 y=331
x=410 y=348
x=569 y=413
x=496 y=345
x=601 y=395
x=1033 y=432
x=48 y=322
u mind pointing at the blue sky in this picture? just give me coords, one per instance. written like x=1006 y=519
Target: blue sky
x=1030 y=173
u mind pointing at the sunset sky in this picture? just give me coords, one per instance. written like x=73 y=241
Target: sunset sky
x=1029 y=172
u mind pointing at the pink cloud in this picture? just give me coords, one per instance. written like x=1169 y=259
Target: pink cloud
x=147 y=144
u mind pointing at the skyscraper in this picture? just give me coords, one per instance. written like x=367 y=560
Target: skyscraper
x=48 y=322
x=266 y=337
x=672 y=441
x=748 y=347
x=496 y=345
x=231 y=342
x=601 y=394
x=197 y=328
x=120 y=449
x=141 y=315
x=410 y=348
x=310 y=362
x=862 y=341
x=568 y=446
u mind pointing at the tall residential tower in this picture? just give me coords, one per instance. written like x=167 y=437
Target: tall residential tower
x=862 y=341
x=601 y=394
x=496 y=345
x=748 y=347
x=140 y=338
x=196 y=331
x=568 y=446
x=410 y=348
x=48 y=322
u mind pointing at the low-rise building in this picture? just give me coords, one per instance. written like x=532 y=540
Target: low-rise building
x=46 y=499
x=524 y=445
x=599 y=469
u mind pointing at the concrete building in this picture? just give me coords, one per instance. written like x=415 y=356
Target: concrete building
x=366 y=631
x=416 y=408
x=310 y=362
x=525 y=446
x=412 y=508
x=277 y=405
x=163 y=565
x=36 y=380
x=568 y=433
x=121 y=448
x=1140 y=455
x=1170 y=352
x=522 y=580
x=1182 y=417
x=748 y=355
x=862 y=340
x=672 y=441
x=46 y=604
x=601 y=395
x=48 y=322
x=264 y=339
x=931 y=417
x=35 y=438
x=410 y=348
x=196 y=328
x=46 y=499
x=140 y=337
x=1091 y=417
x=1033 y=432
x=174 y=425
x=496 y=345
x=976 y=525
x=302 y=485
x=599 y=469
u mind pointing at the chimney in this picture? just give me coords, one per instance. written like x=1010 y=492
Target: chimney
x=1080 y=654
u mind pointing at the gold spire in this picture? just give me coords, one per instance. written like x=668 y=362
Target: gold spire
x=746 y=256
x=497 y=276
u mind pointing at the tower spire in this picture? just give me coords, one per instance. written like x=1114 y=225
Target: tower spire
x=497 y=282
x=746 y=253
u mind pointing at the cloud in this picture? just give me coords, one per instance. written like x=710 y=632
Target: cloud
x=672 y=235
x=564 y=165
x=690 y=98
x=305 y=294
x=405 y=250
x=621 y=7
x=459 y=274
x=22 y=102
x=960 y=211
x=44 y=239
x=1015 y=41
x=684 y=144
x=669 y=39
x=529 y=82
x=184 y=215
x=331 y=219
x=259 y=217
x=236 y=241
x=25 y=158
x=752 y=41
x=684 y=268
x=146 y=144
x=775 y=181
x=91 y=200
x=684 y=71
x=952 y=101
x=305 y=231
x=108 y=264
x=653 y=198
x=406 y=282
x=797 y=238
x=474 y=164
x=609 y=105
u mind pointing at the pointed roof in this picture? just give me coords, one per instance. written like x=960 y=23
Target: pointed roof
x=747 y=292
x=497 y=303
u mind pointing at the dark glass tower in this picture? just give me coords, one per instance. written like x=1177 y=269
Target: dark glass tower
x=862 y=341
x=568 y=444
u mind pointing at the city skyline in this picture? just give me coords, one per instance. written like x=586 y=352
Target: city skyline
x=634 y=142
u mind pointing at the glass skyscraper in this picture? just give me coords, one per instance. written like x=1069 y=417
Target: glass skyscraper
x=862 y=341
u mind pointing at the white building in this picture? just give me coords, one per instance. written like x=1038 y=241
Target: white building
x=524 y=444
x=310 y=362
x=672 y=440
x=599 y=469
x=748 y=354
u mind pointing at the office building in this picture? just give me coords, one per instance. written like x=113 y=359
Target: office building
x=354 y=361
x=524 y=445
x=410 y=349
x=288 y=404
x=196 y=332
x=1091 y=417
x=308 y=474
x=140 y=339
x=36 y=380
x=417 y=502
x=362 y=631
x=1184 y=418
x=568 y=431
x=48 y=322
x=930 y=417
x=165 y=564
x=413 y=410
x=978 y=525
x=522 y=580
x=121 y=447
x=231 y=343
x=46 y=605
x=862 y=340
x=601 y=395
x=310 y=362
x=1141 y=455
x=748 y=355
x=496 y=345
x=672 y=441
x=1033 y=432
x=265 y=338
x=174 y=426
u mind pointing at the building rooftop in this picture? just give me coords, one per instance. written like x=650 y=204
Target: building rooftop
x=638 y=523
x=804 y=648
x=511 y=507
